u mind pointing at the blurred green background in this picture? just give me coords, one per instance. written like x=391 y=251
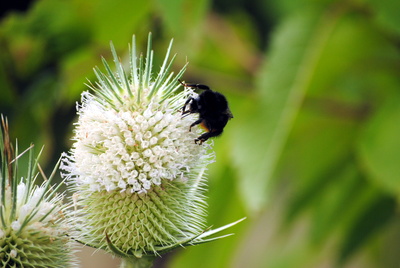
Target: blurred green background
x=312 y=157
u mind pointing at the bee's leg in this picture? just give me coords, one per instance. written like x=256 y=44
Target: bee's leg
x=213 y=133
x=199 y=121
x=184 y=106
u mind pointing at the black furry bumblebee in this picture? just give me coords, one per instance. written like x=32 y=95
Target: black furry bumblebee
x=212 y=108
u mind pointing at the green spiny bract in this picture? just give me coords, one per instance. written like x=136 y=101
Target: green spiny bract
x=32 y=226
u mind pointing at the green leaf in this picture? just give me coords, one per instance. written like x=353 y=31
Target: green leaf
x=379 y=146
x=375 y=216
x=386 y=14
x=283 y=83
x=118 y=20
x=182 y=17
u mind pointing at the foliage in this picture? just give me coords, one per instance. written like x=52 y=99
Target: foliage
x=312 y=154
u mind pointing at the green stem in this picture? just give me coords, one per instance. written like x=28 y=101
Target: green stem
x=143 y=262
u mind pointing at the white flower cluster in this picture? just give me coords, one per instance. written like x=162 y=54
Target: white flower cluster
x=32 y=211
x=134 y=167
x=132 y=150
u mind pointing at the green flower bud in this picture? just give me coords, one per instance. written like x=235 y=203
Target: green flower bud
x=32 y=226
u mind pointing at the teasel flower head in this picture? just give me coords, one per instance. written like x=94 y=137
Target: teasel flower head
x=135 y=170
x=33 y=229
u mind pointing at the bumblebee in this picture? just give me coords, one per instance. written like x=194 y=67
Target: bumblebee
x=212 y=108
